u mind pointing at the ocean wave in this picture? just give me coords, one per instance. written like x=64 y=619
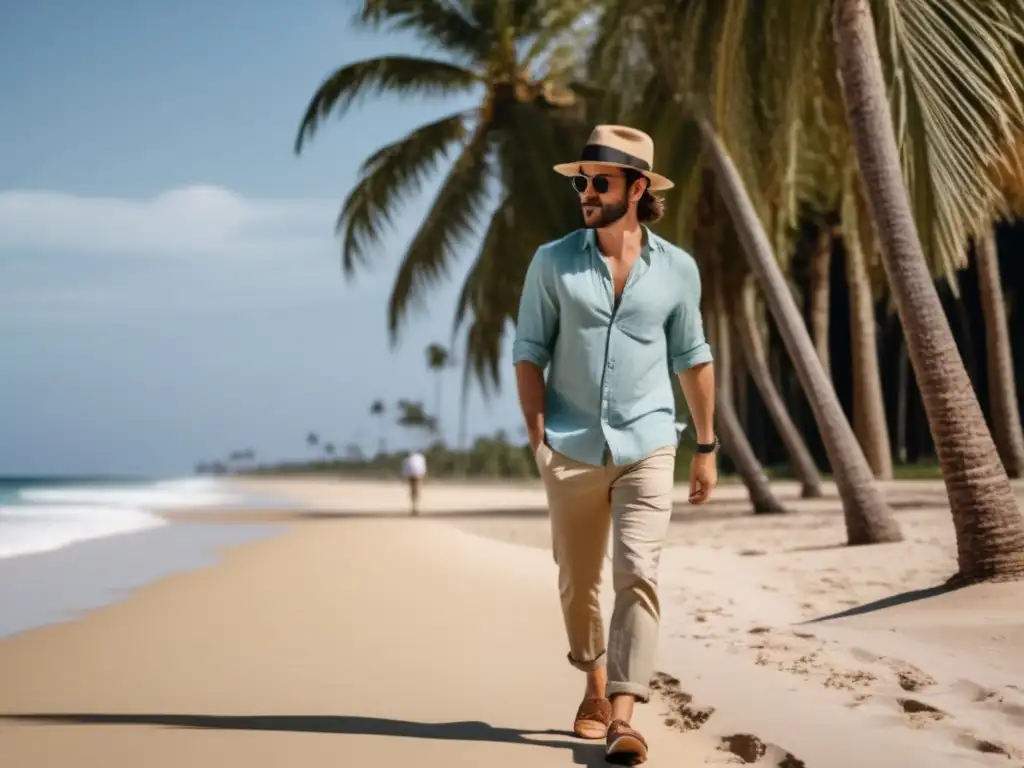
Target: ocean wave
x=40 y=518
x=33 y=528
x=166 y=494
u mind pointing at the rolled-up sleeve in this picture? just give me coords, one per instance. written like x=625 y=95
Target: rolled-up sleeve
x=537 y=322
x=684 y=330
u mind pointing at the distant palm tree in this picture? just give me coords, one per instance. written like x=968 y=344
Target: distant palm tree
x=242 y=457
x=438 y=360
x=413 y=417
x=329 y=450
x=377 y=410
x=312 y=440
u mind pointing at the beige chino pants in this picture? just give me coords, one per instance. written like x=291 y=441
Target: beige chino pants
x=585 y=503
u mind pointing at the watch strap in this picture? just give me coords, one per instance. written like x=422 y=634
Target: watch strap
x=708 y=447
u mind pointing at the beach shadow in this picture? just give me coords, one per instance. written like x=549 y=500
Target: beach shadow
x=583 y=753
x=681 y=511
x=887 y=602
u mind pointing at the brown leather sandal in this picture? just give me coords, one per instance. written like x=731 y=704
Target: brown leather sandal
x=592 y=718
x=625 y=746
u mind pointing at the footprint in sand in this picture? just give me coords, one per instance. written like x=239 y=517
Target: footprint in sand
x=849 y=679
x=970 y=741
x=908 y=677
x=1007 y=700
x=920 y=712
x=750 y=749
x=683 y=714
x=737 y=749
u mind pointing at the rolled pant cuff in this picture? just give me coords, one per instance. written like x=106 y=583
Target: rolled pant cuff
x=641 y=693
x=586 y=666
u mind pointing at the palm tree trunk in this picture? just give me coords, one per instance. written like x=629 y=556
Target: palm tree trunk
x=734 y=440
x=1002 y=385
x=901 y=403
x=868 y=403
x=740 y=395
x=463 y=418
x=438 y=385
x=736 y=445
x=821 y=265
x=988 y=523
x=868 y=518
x=753 y=351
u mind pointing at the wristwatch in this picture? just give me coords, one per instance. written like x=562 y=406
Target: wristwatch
x=708 y=447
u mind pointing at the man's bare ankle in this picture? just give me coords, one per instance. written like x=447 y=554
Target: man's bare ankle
x=597 y=680
x=622 y=707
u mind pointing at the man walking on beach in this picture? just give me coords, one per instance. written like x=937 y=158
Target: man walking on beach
x=414 y=468
x=609 y=310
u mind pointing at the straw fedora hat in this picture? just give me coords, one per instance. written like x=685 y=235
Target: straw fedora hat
x=619 y=146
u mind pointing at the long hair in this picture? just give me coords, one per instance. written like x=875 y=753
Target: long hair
x=650 y=208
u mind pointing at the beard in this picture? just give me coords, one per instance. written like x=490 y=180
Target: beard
x=609 y=213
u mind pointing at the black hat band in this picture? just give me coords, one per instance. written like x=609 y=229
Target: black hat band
x=598 y=153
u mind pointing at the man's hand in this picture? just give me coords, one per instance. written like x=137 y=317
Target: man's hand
x=703 y=477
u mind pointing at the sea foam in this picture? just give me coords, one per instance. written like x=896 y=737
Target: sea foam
x=48 y=518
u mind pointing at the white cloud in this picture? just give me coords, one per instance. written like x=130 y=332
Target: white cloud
x=198 y=220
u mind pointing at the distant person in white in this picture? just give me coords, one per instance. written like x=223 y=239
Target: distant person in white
x=414 y=469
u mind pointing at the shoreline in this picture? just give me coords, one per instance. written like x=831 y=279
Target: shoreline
x=64 y=585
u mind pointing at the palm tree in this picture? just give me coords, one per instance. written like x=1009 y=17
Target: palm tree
x=377 y=411
x=312 y=439
x=707 y=248
x=413 y=417
x=1002 y=385
x=869 y=424
x=688 y=69
x=964 y=77
x=1003 y=404
x=518 y=58
x=821 y=293
x=438 y=361
x=868 y=518
x=241 y=457
x=752 y=347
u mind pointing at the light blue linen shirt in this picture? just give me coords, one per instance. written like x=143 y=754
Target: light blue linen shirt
x=608 y=368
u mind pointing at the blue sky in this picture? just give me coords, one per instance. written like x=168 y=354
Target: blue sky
x=170 y=282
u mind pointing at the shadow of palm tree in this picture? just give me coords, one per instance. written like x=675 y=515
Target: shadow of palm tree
x=583 y=753
x=887 y=602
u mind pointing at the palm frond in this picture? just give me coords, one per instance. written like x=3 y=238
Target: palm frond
x=395 y=74
x=794 y=132
x=537 y=206
x=445 y=25
x=451 y=220
x=530 y=139
x=482 y=353
x=957 y=82
x=559 y=31
x=491 y=295
x=497 y=239
x=621 y=54
x=387 y=178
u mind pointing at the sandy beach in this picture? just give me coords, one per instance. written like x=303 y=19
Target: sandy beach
x=361 y=634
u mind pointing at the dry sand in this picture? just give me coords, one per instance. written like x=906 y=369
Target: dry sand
x=435 y=642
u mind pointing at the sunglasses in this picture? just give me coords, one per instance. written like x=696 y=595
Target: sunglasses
x=600 y=181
